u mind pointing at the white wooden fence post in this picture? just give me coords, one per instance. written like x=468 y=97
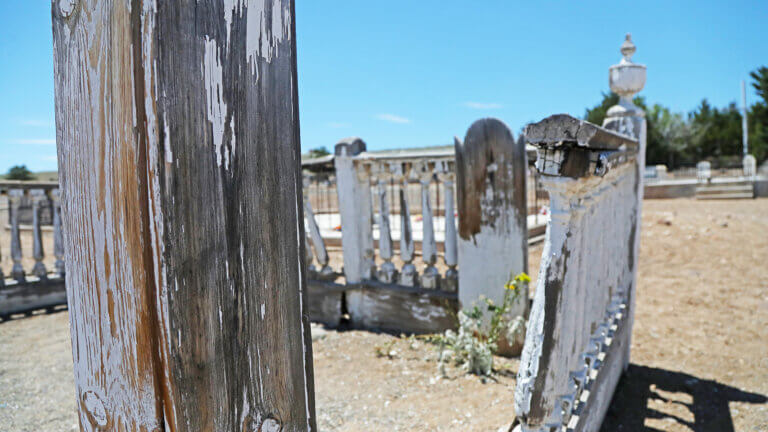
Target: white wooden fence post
x=493 y=236
x=354 y=192
x=584 y=303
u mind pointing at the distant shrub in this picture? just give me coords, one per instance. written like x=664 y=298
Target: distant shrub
x=19 y=172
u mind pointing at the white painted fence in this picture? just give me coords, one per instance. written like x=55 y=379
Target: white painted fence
x=580 y=325
x=38 y=287
x=482 y=182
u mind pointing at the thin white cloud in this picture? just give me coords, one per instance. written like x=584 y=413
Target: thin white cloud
x=49 y=158
x=337 y=125
x=37 y=141
x=393 y=118
x=36 y=123
x=483 y=105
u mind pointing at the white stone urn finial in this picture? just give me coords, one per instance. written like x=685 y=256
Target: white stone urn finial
x=626 y=80
x=627 y=49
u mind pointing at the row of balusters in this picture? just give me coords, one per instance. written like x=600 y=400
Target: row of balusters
x=39 y=199
x=381 y=175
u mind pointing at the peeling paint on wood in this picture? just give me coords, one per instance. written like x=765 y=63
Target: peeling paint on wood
x=492 y=245
x=177 y=125
x=390 y=307
x=582 y=310
x=355 y=208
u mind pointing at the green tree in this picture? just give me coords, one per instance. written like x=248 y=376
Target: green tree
x=757 y=120
x=670 y=137
x=19 y=172
x=597 y=113
x=757 y=117
x=760 y=75
x=318 y=152
x=658 y=141
x=720 y=134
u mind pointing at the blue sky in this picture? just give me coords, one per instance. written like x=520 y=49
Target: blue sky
x=415 y=73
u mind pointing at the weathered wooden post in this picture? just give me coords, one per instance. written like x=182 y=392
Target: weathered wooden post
x=354 y=192
x=493 y=243
x=580 y=325
x=178 y=149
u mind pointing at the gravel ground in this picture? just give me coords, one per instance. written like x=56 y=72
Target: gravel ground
x=699 y=348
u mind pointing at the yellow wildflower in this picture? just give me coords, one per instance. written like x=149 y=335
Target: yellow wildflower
x=522 y=277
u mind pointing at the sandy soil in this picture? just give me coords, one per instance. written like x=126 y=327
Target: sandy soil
x=699 y=349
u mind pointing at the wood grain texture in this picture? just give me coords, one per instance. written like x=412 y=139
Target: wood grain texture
x=390 y=307
x=31 y=295
x=491 y=173
x=325 y=302
x=178 y=133
x=575 y=340
x=355 y=210
x=603 y=386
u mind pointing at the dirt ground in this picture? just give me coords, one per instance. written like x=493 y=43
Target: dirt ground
x=699 y=347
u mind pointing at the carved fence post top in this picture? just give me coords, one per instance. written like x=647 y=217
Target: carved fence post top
x=351 y=146
x=494 y=131
x=565 y=130
x=626 y=79
x=574 y=148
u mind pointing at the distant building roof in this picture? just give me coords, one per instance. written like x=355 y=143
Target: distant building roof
x=326 y=162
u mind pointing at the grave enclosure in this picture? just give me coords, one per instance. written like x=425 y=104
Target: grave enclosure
x=394 y=294
x=190 y=300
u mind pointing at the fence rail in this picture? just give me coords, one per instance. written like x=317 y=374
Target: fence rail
x=27 y=289
x=398 y=216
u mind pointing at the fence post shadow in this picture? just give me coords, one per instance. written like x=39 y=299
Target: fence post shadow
x=640 y=385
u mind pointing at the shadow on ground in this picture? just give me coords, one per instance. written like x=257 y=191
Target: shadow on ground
x=18 y=316
x=641 y=385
